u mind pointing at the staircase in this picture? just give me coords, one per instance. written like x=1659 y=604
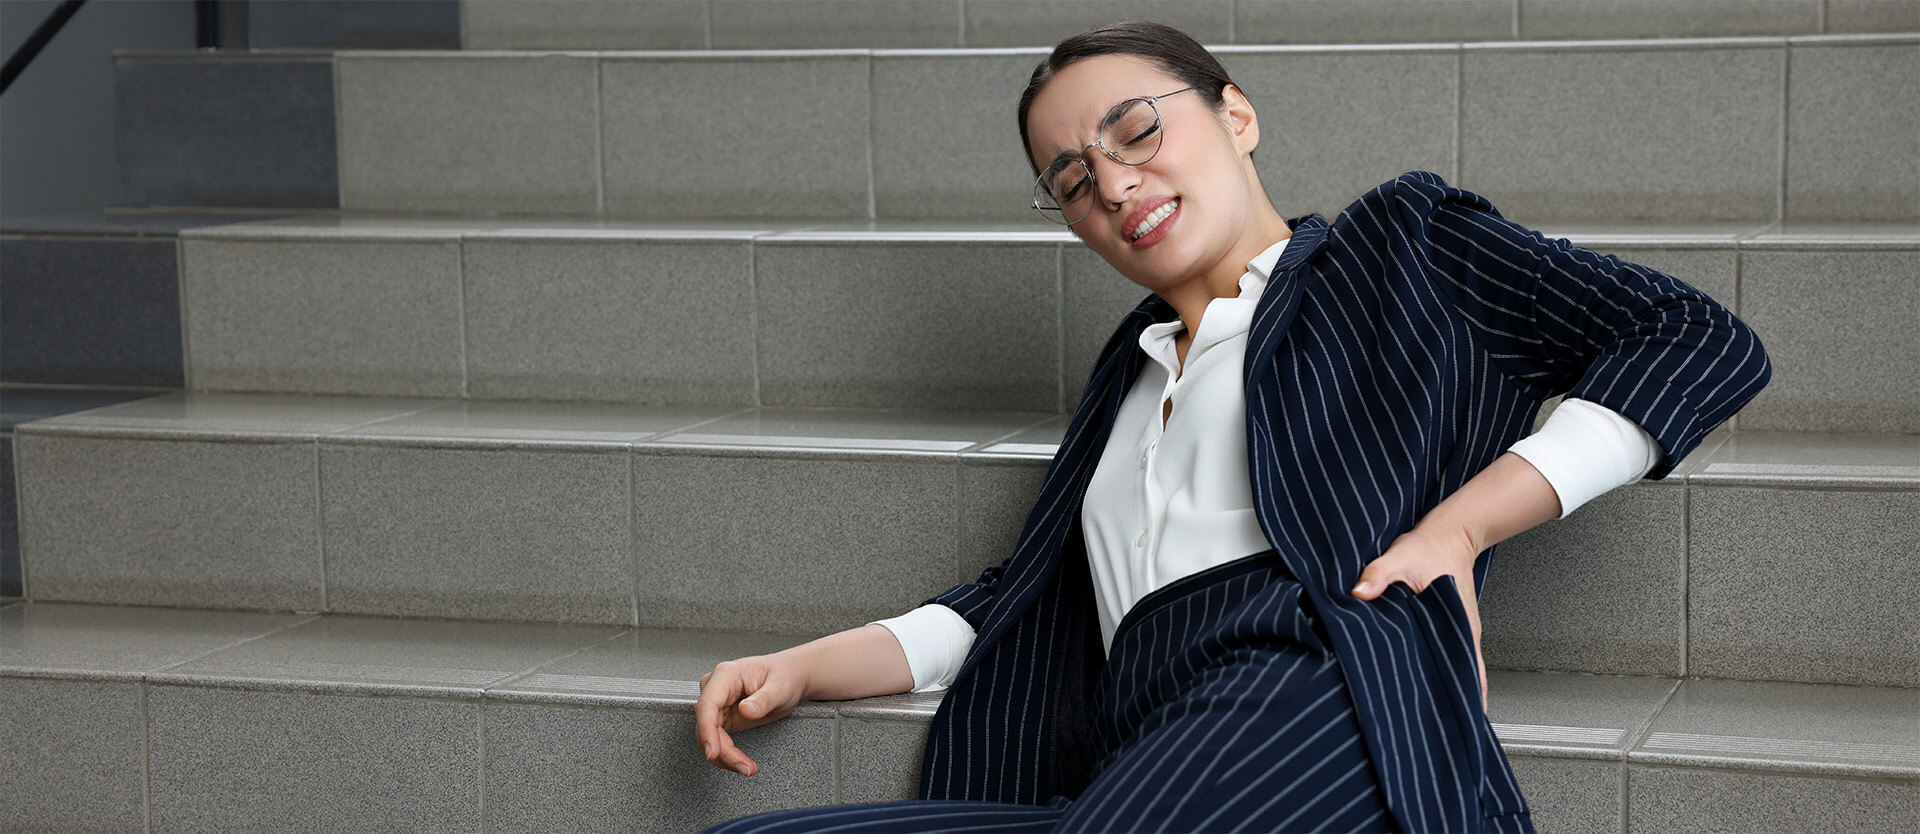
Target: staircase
x=465 y=379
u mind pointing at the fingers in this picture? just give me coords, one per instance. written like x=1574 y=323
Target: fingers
x=716 y=712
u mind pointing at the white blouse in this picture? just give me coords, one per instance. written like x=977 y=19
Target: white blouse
x=1170 y=499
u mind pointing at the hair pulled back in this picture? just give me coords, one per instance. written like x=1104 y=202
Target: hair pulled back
x=1177 y=53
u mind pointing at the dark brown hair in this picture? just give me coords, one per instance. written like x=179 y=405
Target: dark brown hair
x=1181 y=56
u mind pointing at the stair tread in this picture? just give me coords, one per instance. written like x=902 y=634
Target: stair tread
x=1809 y=728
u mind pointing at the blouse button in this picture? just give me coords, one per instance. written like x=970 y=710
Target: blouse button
x=1140 y=542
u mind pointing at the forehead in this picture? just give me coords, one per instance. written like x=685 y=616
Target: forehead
x=1067 y=112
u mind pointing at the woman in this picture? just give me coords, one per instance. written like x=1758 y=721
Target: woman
x=1274 y=504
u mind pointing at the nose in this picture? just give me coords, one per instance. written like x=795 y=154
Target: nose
x=1114 y=182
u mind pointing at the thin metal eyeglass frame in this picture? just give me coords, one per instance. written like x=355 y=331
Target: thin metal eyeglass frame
x=1058 y=214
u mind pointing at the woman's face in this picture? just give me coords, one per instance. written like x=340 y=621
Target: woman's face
x=1203 y=172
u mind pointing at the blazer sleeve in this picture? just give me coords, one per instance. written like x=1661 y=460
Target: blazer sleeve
x=1559 y=319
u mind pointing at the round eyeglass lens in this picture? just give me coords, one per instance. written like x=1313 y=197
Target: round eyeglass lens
x=1132 y=132
x=1129 y=135
x=1064 y=192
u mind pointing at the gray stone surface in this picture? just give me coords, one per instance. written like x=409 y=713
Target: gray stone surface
x=73 y=758
x=1803 y=728
x=1838 y=327
x=656 y=322
x=479 y=534
x=945 y=144
x=1374 y=116
x=880 y=760
x=226 y=131
x=124 y=222
x=1804 y=586
x=786 y=534
x=858 y=428
x=1546 y=140
x=1571 y=716
x=1093 y=300
x=223 y=760
x=1599 y=591
x=584 y=24
x=1853 y=136
x=1371 y=21
x=90 y=311
x=210 y=525
x=252 y=416
x=380 y=656
x=532 y=425
x=119 y=643
x=456 y=132
x=1805 y=459
x=1670 y=799
x=995 y=497
x=617 y=671
x=915 y=326
x=596 y=769
x=1571 y=797
x=323 y=317
x=1598 y=19
x=815 y=24
x=356 y=24
x=762 y=136
x=1038 y=443
x=1027 y=23
x=1873 y=16
x=9 y=522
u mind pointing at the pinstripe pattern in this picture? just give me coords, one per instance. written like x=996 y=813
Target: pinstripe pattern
x=1396 y=352
x=1222 y=709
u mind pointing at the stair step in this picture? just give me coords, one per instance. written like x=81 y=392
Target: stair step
x=850 y=314
x=203 y=720
x=1742 y=564
x=636 y=133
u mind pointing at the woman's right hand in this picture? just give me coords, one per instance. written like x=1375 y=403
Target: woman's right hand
x=744 y=693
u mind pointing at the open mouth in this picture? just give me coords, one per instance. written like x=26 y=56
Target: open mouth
x=1152 y=221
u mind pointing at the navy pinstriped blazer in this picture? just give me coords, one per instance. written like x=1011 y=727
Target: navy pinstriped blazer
x=1395 y=353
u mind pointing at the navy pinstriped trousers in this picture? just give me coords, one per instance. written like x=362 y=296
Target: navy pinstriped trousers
x=1221 y=708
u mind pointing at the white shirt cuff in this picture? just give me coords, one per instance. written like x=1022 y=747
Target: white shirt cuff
x=936 y=639
x=1586 y=449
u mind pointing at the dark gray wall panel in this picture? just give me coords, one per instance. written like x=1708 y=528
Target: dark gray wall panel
x=227 y=132
x=92 y=311
x=357 y=24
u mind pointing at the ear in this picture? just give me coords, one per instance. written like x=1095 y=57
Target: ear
x=1242 y=123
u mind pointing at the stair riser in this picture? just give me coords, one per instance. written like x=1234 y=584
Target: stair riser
x=544 y=766
x=1654 y=579
x=1817 y=126
x=979 y=325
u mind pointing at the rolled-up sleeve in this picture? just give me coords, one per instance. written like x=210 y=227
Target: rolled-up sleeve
x=1585 y=450
x=936 y=640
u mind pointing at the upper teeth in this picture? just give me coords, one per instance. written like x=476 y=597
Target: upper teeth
x=1163 y=212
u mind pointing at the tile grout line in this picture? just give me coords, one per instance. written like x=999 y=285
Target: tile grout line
x=1786 y=105
x=180 y=287
x=1686 y=576
x=460 y=315
x=753 y=313
x=873 y=188
x=1516 y=19
x=1233 y=11
x=320 y=531
x=19 y=522
x=706 y=22
x=1460 y=105
x=480 y=741
x=1634 y=737
x=960 y=8
x=959 y=520
x=633 y=542
x=599 y=135
x=146 y=758
x=839 y=738
x=1822 y=27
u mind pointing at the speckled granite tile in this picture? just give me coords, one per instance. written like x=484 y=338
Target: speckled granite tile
x=107 y=642
x=1599 y=591
x=571 y=335
x=795 y=530
x=357 y=24
x=817 y=24
x=1026 y=23
x=225 y=760
x=1776 y=590
x=1571 y=716
x=24 y=403
x=879 y=760
x=643 y=666
x=585 y=24
x=1838 y=327
x=1041 y=442
x=74 y=755
x=1607 y=19
x=180 y=523
x=1662 y=799
x=847 y=428
x=1577 y=797
x=1853 y=137
x=962 y=159
x=190 y=414
x=529 y=424
x=583 y=768
x=1873 y=16
x=984 y=336
x=1802 y=728
x=373 y=655
x=1370 y=21
x=995 y=498
x=675 y=147
x=491 y=534
x=1805 y=459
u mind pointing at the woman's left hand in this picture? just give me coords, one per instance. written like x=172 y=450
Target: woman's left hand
x=1416 y=559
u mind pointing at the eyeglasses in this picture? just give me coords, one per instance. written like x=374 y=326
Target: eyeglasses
x=1129 y=134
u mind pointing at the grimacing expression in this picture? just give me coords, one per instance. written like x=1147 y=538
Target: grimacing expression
x=1192 y=199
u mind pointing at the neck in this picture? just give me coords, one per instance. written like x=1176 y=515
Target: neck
x=1222 y=280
